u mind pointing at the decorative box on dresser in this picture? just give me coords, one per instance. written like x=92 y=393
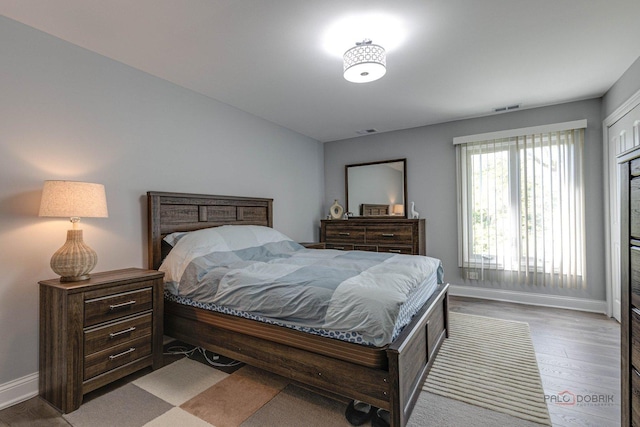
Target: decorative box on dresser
x=95 y=331
x=630 y=285
x=388 y=234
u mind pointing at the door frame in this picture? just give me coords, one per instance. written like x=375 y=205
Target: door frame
x=610 y=172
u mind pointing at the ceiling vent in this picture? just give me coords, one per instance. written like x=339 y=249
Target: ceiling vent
x=507 y=108
x=366 y=131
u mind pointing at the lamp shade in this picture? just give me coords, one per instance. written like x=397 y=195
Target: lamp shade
x=398 y=209
x=73 y=199
x=365 y=62
x=74 y=260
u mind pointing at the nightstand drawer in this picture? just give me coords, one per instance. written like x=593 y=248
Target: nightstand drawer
x=113 y=357
x=396 y=234
x=103 y=337
x=342 y=233
x=101 y=309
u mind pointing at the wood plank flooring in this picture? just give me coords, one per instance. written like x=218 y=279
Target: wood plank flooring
x=578 y=355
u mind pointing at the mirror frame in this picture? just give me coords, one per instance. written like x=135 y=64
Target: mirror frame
x=404 y=184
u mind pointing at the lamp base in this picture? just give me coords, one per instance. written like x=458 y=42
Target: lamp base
x=74 y=260
x=75 y=278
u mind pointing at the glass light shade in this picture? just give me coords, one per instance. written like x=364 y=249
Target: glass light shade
x=365 y=63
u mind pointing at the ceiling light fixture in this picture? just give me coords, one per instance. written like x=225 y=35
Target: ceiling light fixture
x=365 y=62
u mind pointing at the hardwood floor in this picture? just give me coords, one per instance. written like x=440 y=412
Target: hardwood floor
x=578 y=357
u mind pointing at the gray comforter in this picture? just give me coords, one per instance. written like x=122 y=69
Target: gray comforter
x=261 y=271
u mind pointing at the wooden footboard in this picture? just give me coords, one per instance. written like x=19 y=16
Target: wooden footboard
x=394 y=387
x=412 y=354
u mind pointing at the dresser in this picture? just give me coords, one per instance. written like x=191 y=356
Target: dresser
x=630 y=286
x=395 y=235
x=95 y=331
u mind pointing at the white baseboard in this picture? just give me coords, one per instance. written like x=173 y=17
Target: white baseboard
x=530 y=298
x=18 y=390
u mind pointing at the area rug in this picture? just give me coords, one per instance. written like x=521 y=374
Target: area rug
x=490 y=363
x=191 y=393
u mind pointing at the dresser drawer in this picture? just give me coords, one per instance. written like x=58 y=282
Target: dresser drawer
x=103 y=337
x=369 y=248
x=634 y=318
x=634 y=208
x=339 y=246
x=114 y=306
x=344 y=234
x=113 y=357
x=394 y=235
x=407 y=250
x=635 y=398
x=634 y=289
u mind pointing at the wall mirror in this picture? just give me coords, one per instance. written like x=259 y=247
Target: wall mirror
x=377 y=188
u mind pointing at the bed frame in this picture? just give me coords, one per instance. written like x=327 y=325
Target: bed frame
x=390 y=377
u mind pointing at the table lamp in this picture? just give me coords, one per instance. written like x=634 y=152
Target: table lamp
x=74 y=260
x=398 y=209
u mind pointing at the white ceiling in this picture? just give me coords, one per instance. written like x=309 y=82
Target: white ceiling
x=446 y=59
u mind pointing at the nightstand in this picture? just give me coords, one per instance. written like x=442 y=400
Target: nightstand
x=96 y=331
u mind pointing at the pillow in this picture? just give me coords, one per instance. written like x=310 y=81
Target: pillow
x=173 y=238
x=188 y=246
x=238 y=236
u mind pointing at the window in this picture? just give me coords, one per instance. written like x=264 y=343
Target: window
x=521 y=214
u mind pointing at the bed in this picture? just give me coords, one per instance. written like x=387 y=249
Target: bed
x=389 y=377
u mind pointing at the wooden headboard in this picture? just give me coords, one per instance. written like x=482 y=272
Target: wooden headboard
x=171 y=212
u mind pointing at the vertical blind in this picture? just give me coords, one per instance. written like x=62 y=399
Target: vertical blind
x=521 y=209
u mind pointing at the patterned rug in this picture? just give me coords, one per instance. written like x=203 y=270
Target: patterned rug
x=490 y=363
x=192 y=393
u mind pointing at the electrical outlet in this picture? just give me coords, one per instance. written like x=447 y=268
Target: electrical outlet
x=472 y=275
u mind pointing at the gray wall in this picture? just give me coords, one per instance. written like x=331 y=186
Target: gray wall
x=67 y=113
x=622 y=90
x=431 y=177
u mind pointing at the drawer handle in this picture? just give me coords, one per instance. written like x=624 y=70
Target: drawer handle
x=388 y=235
x=124 y=353
x=395 y=251
x=338 y=247
x=122 y=305
x=344 y=233
x=636 y=311
x=126 y=331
